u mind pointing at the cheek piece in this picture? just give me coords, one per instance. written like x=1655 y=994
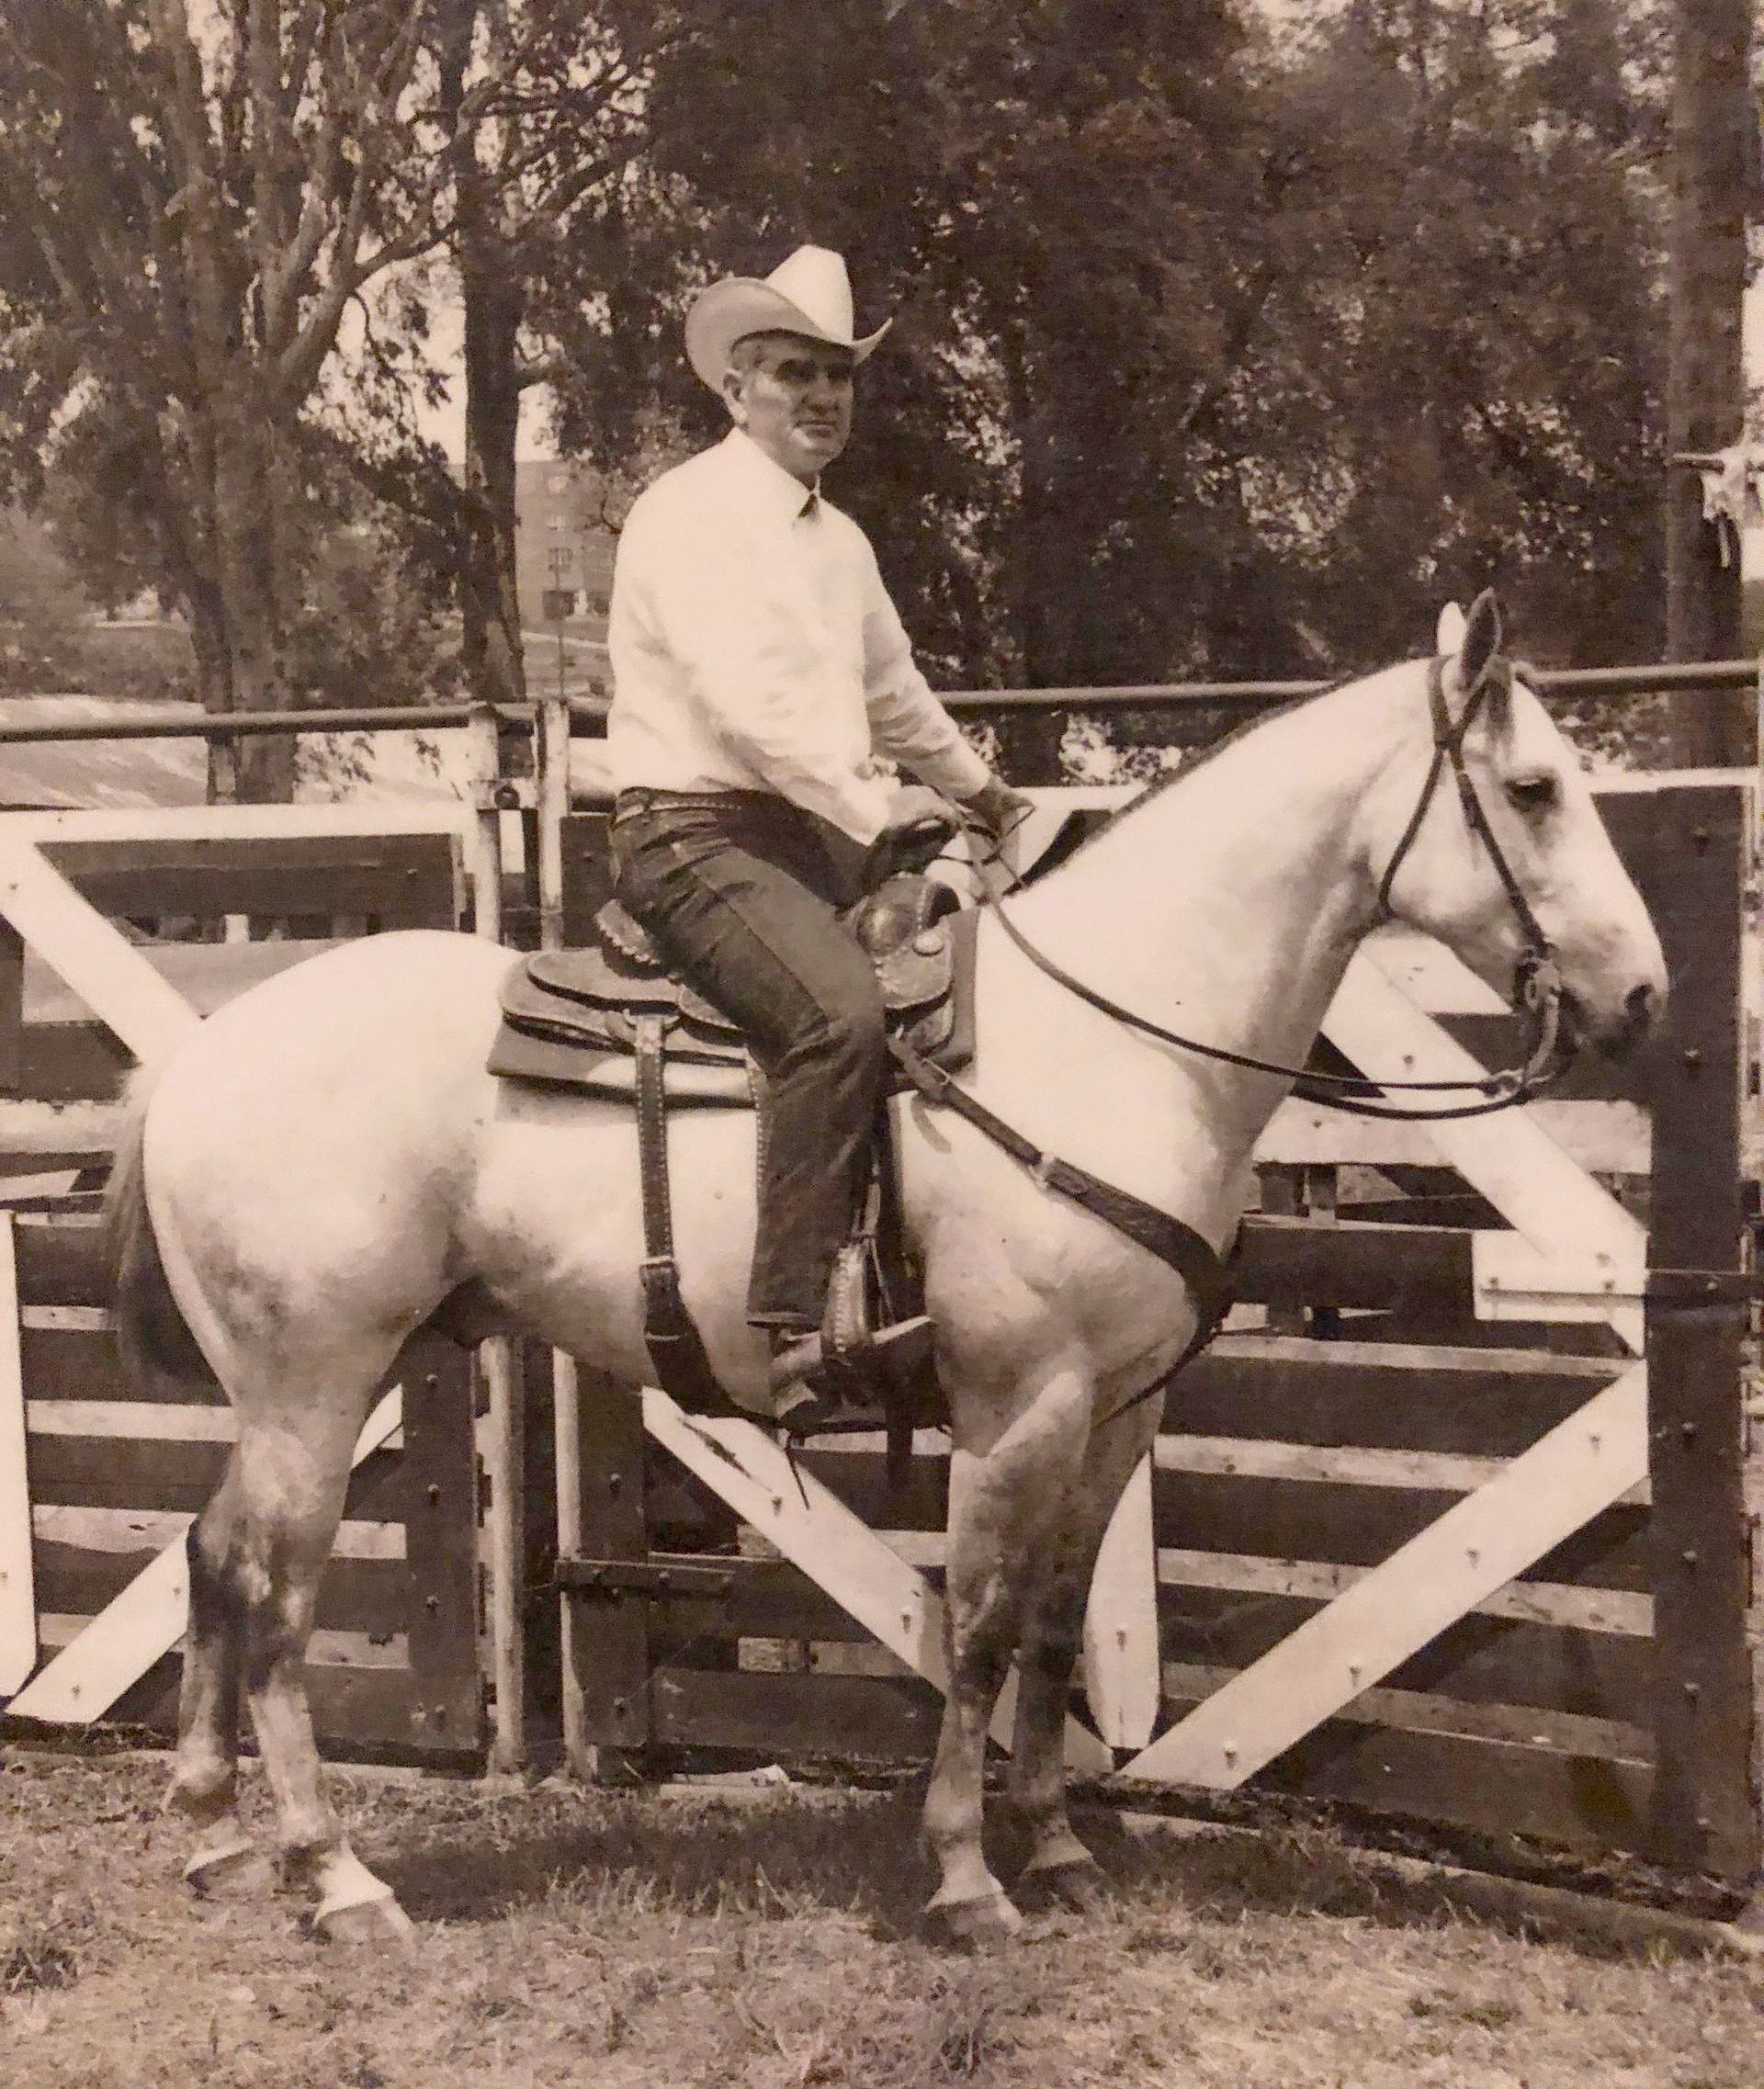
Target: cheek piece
x=1537 y=980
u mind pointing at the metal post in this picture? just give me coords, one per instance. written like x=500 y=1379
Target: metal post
x=500 y=1446
x=552 y=764
x=487 y=871
x=553 y=800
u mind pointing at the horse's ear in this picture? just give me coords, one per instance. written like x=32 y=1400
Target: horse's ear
x=1481 y=639
x=1449 y=637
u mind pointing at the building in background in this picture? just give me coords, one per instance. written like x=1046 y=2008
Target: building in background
x=563 y=556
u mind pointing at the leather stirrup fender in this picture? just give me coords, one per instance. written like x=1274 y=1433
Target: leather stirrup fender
x=670 y=1334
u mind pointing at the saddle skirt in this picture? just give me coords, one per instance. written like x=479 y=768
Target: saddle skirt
x=570 y=1016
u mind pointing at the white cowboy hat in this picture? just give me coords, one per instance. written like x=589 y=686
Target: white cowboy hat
x=809 y=294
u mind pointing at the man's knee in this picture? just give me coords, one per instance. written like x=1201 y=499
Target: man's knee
x=851 y=1029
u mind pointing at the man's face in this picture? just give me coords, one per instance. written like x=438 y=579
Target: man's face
x=794 y=399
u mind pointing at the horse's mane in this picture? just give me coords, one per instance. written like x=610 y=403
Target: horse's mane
x=1174 y=779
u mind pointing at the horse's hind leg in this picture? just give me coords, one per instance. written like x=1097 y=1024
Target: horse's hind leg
x=277 y=1519
x=294 y=1473
x=1057 y=1865
x=1003 y=1519
x=205 y=1774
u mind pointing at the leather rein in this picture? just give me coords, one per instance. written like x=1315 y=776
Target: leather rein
x=1174 y=1242
x=1539 y=982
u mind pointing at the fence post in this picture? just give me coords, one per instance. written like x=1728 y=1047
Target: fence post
x=607 y=1664
x=440 y=1521
x=1705 y=1813
x=501 y=1446
x=552 y=796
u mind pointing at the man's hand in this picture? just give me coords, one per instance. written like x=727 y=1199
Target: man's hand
x=997 y=807
x=919 y=824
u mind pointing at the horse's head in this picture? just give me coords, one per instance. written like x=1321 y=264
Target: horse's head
x=1484 y=832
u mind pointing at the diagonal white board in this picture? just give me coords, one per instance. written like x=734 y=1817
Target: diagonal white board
x=1580 y=1467
x=143 y=1621
x=837 y=1549
x=1122 y=1677
x=18 y=1589
x=113 y=977
x=1542 y=1194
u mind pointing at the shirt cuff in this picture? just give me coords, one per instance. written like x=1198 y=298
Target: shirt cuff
x=958 y=772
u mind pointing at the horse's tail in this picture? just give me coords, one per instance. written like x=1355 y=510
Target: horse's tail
x=152 y=1336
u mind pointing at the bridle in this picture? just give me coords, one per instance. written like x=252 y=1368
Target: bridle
x=1538 y=983
x=1171 y=1239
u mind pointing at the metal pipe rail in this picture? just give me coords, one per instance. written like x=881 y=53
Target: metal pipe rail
x=1674 y=678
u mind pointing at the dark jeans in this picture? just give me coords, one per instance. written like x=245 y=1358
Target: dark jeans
x=740 y=894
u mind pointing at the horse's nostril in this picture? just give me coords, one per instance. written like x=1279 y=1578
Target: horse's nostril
x=1639 y=1003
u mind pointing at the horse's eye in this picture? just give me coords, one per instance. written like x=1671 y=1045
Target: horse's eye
x=1532 y=795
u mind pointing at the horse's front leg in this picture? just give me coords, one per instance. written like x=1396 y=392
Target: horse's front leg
x=1006 y=1507
x=1059 y=1866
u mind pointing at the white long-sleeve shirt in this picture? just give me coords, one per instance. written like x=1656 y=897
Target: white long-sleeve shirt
x=754 y=647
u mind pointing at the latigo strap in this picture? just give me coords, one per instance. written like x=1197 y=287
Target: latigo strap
x=670 y=1334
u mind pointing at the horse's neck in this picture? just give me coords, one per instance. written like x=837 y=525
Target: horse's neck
x=1228 y=906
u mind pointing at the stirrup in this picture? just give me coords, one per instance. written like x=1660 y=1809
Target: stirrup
x=835 y=1383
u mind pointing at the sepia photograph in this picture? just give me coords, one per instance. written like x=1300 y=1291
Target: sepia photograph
x=881 y=990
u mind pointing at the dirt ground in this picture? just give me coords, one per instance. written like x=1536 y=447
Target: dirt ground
x=635 y=1941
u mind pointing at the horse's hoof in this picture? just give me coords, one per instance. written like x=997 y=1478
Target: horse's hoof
x=1077 y=1883
x=232 y=1869
x=979 y=1924
x=366 y=1925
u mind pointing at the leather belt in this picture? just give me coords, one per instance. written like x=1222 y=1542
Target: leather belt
x=642 y=798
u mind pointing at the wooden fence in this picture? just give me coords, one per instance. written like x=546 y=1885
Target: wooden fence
x=1456 y=1520
x=115 y=930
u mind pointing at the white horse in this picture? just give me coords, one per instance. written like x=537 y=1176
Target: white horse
x=325 y=1161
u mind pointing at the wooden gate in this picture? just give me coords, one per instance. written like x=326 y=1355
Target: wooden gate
x=1452 y=1522
x=118 y=931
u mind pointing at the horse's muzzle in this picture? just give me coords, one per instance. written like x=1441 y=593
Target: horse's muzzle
x=1643 y=1005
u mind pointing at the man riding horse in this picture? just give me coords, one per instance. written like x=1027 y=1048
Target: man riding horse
x=759 y=666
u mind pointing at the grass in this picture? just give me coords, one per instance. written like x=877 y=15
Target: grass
x=627 y=1941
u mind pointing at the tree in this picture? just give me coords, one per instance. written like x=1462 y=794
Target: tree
x=1715 y=152
x=194 y=196
x=40 y=609
x=1464 y=383
x=546 y=100
x=1222 y=347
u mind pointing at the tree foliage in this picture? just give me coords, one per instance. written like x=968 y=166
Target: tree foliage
x=1230 y=340
x=1224 y=346
x=193 y=196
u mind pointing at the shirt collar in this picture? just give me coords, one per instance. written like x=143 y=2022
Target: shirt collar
x=781 y=491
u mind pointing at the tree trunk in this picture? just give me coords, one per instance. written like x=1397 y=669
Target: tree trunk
x=207 y=623
x=1712 y=141
x=253 y=492
x=491 y=646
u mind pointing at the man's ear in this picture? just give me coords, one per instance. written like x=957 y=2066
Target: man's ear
x=734 y=387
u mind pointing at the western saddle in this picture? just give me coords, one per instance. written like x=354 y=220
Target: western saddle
x=608 y=1020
